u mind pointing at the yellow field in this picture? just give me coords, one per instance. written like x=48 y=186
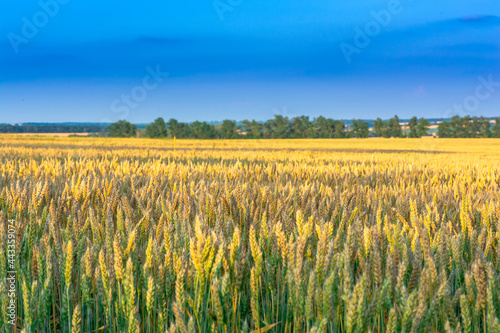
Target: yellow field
x=232 y=236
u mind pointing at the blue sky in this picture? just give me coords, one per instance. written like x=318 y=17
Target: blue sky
x=89 y=61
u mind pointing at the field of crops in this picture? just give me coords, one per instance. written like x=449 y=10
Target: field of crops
x=137 y=235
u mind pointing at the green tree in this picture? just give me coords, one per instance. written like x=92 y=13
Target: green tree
x=253 y=129
x=157 y=129
x=378 y=127
x=209 y=131
x=412 y=125
x=267 y=129
x=256 y=129
x=495 y=130
x=203 y=130
x=246 y=128
x=422 y=127
x=354 y=129
x=173 y=128
x=456 y=127
x=178 y=130
x=484 y=127
x=229 y=129
x=196 y=130
x=280 y=127
x=339 y=131
x=444 y=129
x=359 y=128
x=473 y=127
x=324 y=128
x=184 y=130
x=395 y=127
x=122 y=129
x=300 y=127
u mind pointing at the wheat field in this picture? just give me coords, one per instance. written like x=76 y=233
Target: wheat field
x=138 y=235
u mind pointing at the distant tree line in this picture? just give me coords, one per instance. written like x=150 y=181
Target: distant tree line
x=51 y=128
x=281 y=127
x=416 y=128
x=122 y=129
x=467 y=127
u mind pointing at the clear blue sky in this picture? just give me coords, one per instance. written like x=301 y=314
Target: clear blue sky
x=87 y=61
